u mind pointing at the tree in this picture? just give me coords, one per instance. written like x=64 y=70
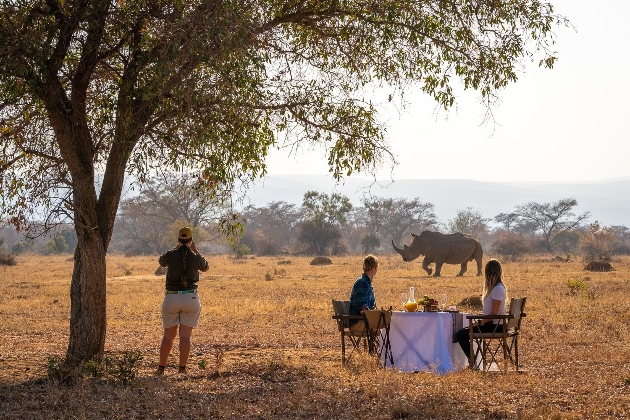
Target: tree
x=551 y=219
x=469 y=221
x=93 y=91
x=272 y=229
x=396 y=217
x=324 y=215
x=599 y=242
x=369 y=243
x=507 y=220
x=165 y=199
x=57 y=245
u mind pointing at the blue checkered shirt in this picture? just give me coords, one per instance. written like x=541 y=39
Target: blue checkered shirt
x=361 y=294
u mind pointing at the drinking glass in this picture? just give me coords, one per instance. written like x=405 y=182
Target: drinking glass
x=403 y=298
x=443 y=300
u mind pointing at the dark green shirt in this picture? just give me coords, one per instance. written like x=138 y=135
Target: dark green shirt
x=183 y=268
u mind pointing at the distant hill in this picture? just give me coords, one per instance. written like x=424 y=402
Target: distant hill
x=608 y=201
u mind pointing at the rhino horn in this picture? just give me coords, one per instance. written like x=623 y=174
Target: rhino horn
x=397 y=249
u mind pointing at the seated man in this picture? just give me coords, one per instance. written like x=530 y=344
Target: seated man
x=362 y=294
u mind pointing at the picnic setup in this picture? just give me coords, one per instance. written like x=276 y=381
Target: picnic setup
x=420 y=337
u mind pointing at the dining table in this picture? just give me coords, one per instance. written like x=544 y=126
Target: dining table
x=423 y=341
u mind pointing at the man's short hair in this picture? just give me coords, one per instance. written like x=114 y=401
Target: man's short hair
x=369 y=263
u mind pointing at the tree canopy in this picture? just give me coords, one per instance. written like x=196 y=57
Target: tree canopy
x=93 y=91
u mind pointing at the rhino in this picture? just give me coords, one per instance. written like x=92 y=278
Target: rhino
x=440 y=248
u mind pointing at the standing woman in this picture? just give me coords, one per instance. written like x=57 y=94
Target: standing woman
x=494 y=296
x=181 y=307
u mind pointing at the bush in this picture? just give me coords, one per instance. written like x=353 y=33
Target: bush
x=241 y=251
x=511 y=246
x=7 y=259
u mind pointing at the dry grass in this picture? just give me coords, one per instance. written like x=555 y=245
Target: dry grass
x=271 y=349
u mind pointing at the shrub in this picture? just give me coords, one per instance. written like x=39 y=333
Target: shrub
x=7 y=259
x=576 y=285
x=241 y=251
x=511 y=246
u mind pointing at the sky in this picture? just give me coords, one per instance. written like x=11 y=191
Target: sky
x=568 y=124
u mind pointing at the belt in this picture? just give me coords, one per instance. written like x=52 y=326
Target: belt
x=180 y=292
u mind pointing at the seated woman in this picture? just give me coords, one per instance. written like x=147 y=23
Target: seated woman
x=494 y=296
x=362 y=294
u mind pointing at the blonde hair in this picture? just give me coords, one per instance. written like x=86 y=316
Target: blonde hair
x=494 y=275
x=369 y=263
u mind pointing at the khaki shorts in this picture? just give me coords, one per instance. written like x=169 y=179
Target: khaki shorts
x=181 y=309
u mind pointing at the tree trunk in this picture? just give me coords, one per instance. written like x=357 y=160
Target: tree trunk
x=88 y=299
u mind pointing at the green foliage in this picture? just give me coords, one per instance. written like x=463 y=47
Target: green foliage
x=96 y=369
x=241 y=251
x=207 y=88
x=576 y=285
x=203 y=364
x=370 y=243
x=53 y=367
x=22 y=246
x=57 y=245
x=320 y=227
x=125 y=368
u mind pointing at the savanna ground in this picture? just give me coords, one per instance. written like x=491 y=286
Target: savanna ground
x=267 y=347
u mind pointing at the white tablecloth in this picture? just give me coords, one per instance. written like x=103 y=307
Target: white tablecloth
x=423 y=341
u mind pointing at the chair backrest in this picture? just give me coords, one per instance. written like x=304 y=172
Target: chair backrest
x=517 y=308
x=378 y=318
x=341 y=307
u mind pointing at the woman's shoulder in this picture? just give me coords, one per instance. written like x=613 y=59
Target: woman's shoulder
x=499 y=288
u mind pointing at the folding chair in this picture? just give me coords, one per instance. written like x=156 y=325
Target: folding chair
x=491 y=345
x=341 y=308
x=378 y=322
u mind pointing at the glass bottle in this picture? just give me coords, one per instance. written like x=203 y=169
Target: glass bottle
x=411 y=295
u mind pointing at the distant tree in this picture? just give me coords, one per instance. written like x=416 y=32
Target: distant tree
x=599 y=242
x=357 y=226
x=507 y=220
x=370 y=243
x=469 y=221
x=568 y=242
x=70 y=236
x=145 y=222
x=622 y=233
x=272 y=229
x=551 y=219
x=57 y=245
x=511 y=246
x=323 y=216
x=396 y=218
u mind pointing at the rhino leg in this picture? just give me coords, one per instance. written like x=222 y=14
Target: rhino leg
x=425 y=265
x=438 y=268
x=463 y=270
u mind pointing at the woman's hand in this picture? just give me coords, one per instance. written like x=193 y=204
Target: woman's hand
x=192 y=247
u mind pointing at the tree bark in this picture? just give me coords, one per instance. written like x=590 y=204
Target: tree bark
x=88 y=300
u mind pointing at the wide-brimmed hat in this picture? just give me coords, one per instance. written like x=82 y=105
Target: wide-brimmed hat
x=185 y=233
